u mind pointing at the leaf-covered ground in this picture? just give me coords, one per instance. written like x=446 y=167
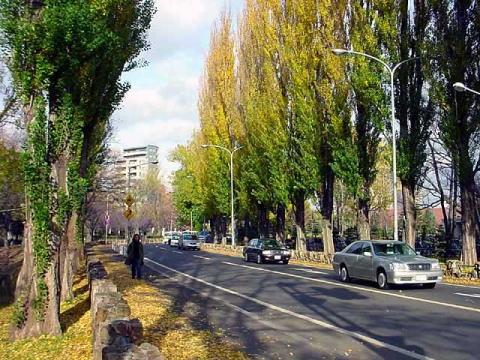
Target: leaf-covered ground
x=75 y=343
x=175 y=331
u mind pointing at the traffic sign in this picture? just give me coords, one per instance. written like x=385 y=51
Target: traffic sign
x=129 y=200
x=129 y=213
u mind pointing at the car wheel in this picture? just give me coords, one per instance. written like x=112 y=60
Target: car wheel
x=429 y=285
x=245 y=257
x=285 y=262
x=259 y=259
x=344 y=274
x=382 y=281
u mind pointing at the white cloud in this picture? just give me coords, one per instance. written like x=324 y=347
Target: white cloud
x=161 y=107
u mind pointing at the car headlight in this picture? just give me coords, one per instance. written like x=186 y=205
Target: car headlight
x=398 y=267
x=267 y=252
x=286 y=252
x=436 y=266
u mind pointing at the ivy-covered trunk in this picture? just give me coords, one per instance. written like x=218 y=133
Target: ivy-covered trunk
x=42 y=293
x=410 y=212
x=37 y=304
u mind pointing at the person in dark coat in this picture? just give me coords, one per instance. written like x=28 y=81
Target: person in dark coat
x=135 y=256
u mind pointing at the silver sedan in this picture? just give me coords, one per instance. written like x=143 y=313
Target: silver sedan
x=386 y=262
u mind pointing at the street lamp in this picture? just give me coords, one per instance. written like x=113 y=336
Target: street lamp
x=394 y=141
x=231 y=181
x=460 y=87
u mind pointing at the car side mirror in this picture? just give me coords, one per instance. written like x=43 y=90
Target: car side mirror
x=367 y=253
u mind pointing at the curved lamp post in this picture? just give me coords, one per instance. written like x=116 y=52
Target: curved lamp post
x=392 y=107
x=460 y=87
x=231 y=182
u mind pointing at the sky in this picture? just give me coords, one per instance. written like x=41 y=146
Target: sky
x=161 y=106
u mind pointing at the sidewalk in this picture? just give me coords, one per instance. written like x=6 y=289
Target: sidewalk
x=172 y=321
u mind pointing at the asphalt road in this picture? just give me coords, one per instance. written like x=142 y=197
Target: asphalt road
x=278 y=311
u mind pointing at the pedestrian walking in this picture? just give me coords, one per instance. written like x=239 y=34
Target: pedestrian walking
x=135 y=256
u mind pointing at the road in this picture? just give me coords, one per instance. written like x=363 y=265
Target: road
x=298 y=312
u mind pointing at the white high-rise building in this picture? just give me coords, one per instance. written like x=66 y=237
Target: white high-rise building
x=139 y=160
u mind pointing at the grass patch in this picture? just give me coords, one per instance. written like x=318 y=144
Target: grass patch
x=166 y=326
x=75 y=343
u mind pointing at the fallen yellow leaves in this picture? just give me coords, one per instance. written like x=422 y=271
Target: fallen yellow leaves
x=75 y=343
x=172 y=332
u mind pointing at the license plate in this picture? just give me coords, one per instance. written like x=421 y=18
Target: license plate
x=421 y=277
x=277 y=257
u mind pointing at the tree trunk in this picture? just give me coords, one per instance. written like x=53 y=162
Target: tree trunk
x=263 y=223
x=326 y=209
x=280 y=224
x=38 y=312
x=327 y=234
x=247 y=228
x=363 y=220
x=300 y=220
x=71 y=256
x=28 y=323
x=467 y=195
x=410 y=212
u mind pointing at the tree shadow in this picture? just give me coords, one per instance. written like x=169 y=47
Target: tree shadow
x=74 y=314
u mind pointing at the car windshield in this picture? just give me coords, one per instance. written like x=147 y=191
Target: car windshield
x=189 y=237
x=393 y=249
x=271 y=244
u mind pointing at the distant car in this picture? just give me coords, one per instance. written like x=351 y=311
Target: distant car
x=386 y=262
x=174 y=240
x=189 y=240
x=263 y=250
x=205 y=236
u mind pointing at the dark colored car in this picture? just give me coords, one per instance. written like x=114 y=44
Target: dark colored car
x=263 y=250
x=205 y=236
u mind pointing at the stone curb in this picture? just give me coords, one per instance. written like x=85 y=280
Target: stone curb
x=115 y=336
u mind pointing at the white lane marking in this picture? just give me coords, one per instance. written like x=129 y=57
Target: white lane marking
x=178 y=252
x=202 y=257
x=310 y=271
x=358 y=288
x=353 y=334
x=470 y=295
x=253 y=316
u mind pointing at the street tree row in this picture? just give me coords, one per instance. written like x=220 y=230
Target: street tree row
x=308 y=119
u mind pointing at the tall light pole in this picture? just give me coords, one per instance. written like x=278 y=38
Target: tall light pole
x=394 y=140
x=231 y=182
